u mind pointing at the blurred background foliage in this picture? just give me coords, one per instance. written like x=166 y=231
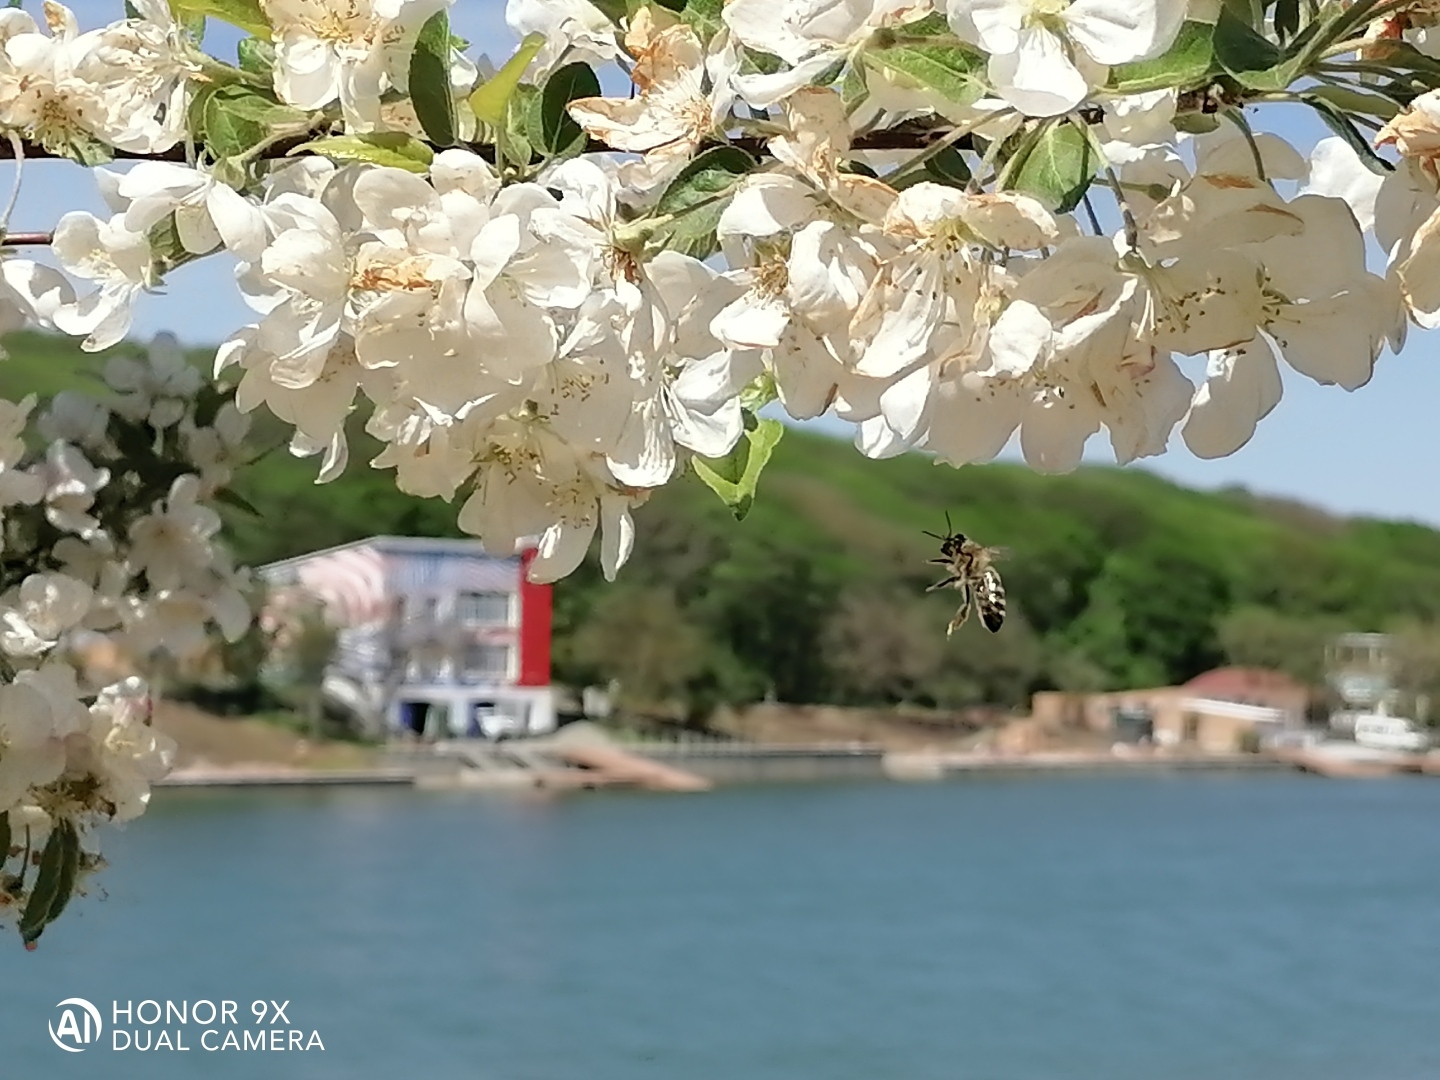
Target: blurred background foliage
x=1117 y=578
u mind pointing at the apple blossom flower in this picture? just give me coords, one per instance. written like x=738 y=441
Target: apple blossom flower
x=173 y=544
x=673 y=110
x=40 y=95
x=135 y=79
x=207 y=212
x=33 y=619
x=351 y=53
x=574 y=31
x=113 y=257
x=1046 y=54
x=70 y=483
x=155 y=390
x=32 y=745
x=809 y=35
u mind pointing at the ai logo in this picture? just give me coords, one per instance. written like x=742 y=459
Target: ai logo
x=74 y=1033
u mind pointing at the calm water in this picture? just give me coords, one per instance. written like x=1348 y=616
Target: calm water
x=1156 y=928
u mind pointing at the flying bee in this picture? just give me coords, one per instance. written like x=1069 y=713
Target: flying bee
x=972 y=571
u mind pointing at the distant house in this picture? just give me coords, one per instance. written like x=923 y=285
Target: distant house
x=1252 y=686
x=1219 y=711
x=435 y=638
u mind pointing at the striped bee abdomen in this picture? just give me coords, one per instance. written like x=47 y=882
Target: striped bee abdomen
x=990 y=599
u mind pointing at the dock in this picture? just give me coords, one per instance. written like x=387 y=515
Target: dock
x=586 y=758
x=259 y=777
x=1349 y=762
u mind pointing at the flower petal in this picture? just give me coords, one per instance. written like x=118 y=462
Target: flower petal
x=1241 y=388
x=1038 y=78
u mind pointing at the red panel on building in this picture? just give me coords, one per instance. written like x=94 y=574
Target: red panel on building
x=534 y=627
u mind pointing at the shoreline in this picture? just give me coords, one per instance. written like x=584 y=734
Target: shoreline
x=787 y=764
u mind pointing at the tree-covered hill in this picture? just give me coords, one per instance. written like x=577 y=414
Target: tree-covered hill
x=1116 y=578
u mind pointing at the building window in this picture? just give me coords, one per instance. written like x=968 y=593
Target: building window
x=421 y=608
x=426 y=664
x=486 y=663
x=483 y=608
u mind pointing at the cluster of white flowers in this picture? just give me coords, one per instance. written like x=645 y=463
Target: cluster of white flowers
x=950 y=222
x=106 y=540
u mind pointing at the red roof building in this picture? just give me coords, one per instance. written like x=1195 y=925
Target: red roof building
x=1251 y=686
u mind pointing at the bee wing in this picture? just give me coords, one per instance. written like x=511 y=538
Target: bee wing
x=1000 y=552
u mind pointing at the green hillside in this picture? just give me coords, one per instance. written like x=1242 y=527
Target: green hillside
x=1117 y=578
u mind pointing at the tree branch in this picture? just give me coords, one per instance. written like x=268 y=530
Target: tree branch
x=908 y=136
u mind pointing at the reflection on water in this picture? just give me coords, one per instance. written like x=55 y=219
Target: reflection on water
x=1136 y=928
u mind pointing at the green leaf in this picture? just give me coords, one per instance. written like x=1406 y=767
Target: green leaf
x=255 y=55
x=1196 y=123
x=62 y=851
x=696 y=199
x=853 y=88
x=759 y=392
x=1187 y=61
x=430 y=80
x=758 y=62
x=703 y=16
x=86 y=149
x=238 y=117
x=933 y=25
x=1402 y=54
x=1250 y=12
x=1351 y=100
x=194 y=26
x=1334 y=22
x=4 y=837
x=949 y=167
x=558 y=133
x=233 y=498
x=955 y=73
x=1287 y=19
x=516 y=142
x=246 y=14
x=1340 y=124
x=1058 y=168
x=491 y=98
x=251 y=104
x=1252 y=59
x=392 y=148
x=69 y=871
x=166 y=251
x=709 y=174
x=735 y=477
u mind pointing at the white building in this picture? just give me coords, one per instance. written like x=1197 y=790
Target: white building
x=436 y=638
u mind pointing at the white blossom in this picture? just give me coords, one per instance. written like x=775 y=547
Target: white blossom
x=45 y=606
x=173 y=544
x=351 y=53
x=131 y=754
x=574 y=30
x=135 y=79
x=70 y=483
x=156 y=390
x=119 y=263
x=1046 y=54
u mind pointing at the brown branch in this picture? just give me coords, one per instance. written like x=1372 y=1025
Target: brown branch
x=19 y=239
x=908 y=136
x=34 y=151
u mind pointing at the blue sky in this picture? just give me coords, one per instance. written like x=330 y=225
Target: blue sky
x=1373 y=452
